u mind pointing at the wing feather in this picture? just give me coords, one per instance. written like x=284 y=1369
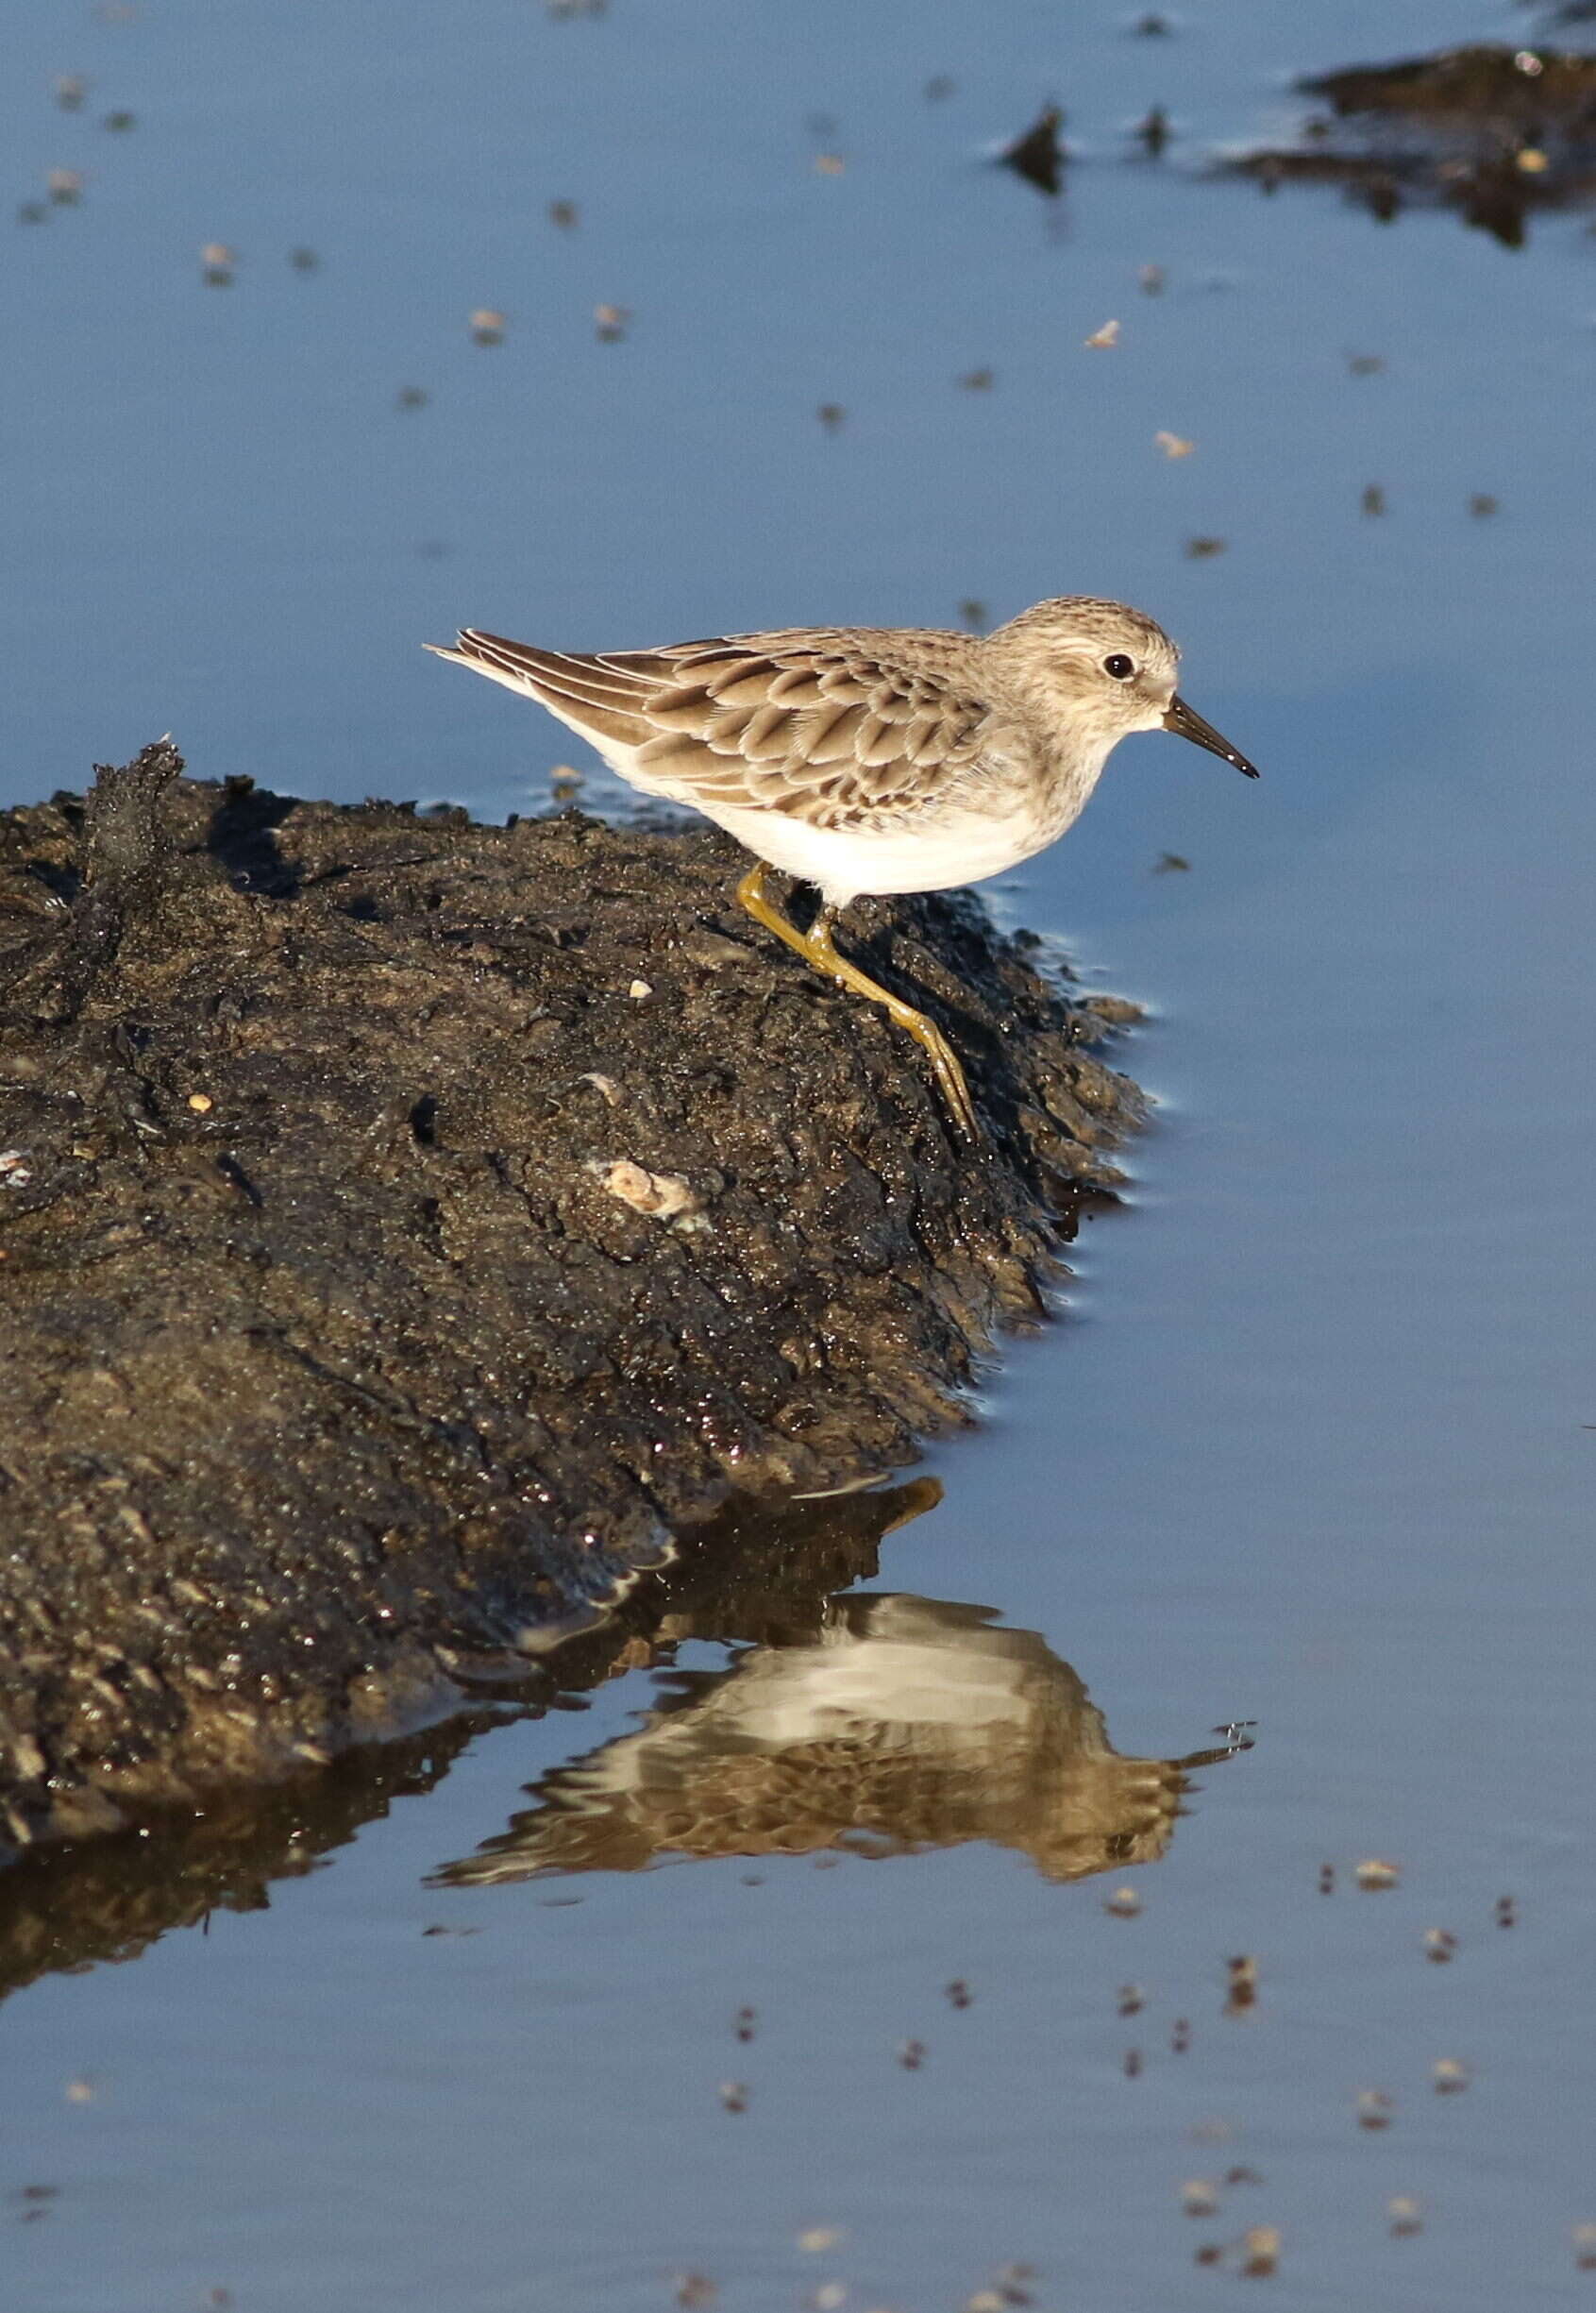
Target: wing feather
x=842 y=729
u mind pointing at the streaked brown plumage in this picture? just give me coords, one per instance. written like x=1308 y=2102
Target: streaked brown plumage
x=871 y=759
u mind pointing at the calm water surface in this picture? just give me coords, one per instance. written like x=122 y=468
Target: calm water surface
x=1315 y=1446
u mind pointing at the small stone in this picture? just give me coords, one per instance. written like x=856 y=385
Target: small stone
x=201 y=1103
x=640 y=990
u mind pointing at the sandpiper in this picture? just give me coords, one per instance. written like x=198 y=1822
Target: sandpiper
x=871 y=759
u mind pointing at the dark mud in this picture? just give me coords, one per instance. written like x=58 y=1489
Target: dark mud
x=411 y=1230
x=1494 y=133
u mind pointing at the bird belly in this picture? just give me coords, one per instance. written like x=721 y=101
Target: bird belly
x=923 y=853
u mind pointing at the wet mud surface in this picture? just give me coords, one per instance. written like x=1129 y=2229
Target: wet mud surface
x=1492 y=131
x=411 y=1230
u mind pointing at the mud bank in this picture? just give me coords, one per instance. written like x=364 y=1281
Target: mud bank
x=410 y=1230
x=1494 y=133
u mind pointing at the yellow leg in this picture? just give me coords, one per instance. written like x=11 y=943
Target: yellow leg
x=817 y=949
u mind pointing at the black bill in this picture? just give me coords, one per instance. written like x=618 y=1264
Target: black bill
x=1191 y=726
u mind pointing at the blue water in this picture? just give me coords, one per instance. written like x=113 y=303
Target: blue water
x=1313 y=1445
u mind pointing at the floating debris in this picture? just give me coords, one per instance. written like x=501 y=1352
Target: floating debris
x=1439 y=1944
x=1241 y=1984
x=939 y=89
x=118 y=123
x=1365 y=364
x=566 y=214
x=1448 y=2076
x=1174 y=445
x=911 y=2054
x=828 y=164
x=487 y=326
x=32 y=213
x=1038 y=155
x=734 y=2095
x=977 y=381
x=412 y=397
x=1151 y=280
x=1260 y=2252
x=695 y=2291
x=1406 y=2217
x=1373 y=499
x=831 y=414
x=1374 y=2108
x=64 y=187
x=1198 y=2197
x=1203 y=549
x=1327 y=1871
x=70 y=90
x=304 y=260
x=217 y=263
x=1373 y=1875
x=828 y=2297
x=1506 y=1912
x=1130 y=2000
x=1151 y=27
x=1101 y=338
x=1124 y=1903
x=972 y=611
x=1482 y=506
x=1585 y=2247
x=744 y=2022
x=1180 y=2036
x=1132 y=2063
x=1153 y=132
x=609 y=323
x=958 y=1993
x=816 y=2238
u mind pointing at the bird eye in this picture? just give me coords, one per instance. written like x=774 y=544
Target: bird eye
x=1120 y=666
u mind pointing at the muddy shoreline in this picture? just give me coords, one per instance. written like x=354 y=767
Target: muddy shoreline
x=413 y=1230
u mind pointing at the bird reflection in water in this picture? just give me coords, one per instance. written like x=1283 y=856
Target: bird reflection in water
x=889 y=1725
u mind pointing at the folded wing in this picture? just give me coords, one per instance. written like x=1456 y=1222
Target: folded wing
x=829 y=727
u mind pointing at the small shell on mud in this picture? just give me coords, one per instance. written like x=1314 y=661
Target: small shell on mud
x=666 y=1195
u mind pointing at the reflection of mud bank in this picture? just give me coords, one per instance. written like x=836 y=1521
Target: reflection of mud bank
x=331 y=1357
x=890 y=1724
x=1491 y=132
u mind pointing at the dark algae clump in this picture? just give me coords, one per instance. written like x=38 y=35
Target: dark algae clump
x=411 y=1230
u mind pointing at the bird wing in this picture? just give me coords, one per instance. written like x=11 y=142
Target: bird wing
x=837 y=729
